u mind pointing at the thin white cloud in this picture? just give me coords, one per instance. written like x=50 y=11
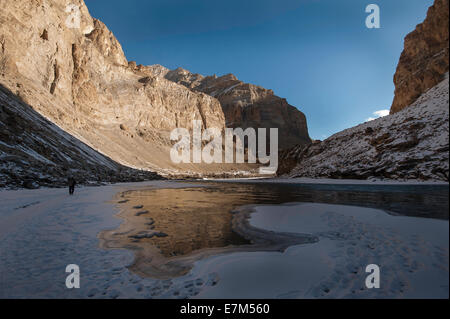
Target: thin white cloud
x=381 y=113
x=378 y=114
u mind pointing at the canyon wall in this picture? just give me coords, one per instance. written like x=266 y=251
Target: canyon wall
x=424 y=60
x=75 y=74
x=247 y=105
x=412 y=142
x=72 y=71
x=35 y=152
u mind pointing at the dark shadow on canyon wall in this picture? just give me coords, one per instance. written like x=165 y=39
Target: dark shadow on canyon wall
x=36 y=152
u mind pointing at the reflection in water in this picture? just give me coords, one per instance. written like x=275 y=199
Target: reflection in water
x=162 y=225
x=192 y=219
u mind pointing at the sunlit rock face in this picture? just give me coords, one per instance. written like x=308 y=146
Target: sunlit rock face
x=78 y=77
x=424 y=60
x=247 y=105
x=72 y=70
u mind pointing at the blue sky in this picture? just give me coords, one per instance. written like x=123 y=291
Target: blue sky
x=318 y=54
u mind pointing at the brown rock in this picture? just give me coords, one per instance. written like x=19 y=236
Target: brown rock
x=80 y=79
x=247 y=105
x=424 y=60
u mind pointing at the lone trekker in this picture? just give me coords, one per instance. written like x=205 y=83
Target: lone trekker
x=72 y=184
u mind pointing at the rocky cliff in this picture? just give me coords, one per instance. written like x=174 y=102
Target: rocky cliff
x=72 y=70
x=247 y=105
x=410 y=144
x=424 y=60
x=35 y=152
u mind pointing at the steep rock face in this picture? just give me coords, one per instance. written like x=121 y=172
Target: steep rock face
x=77 y=76
x=410 y=144
x=247 y=105
x=424 y=60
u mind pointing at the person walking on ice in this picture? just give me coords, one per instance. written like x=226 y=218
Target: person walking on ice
x=71 y=181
